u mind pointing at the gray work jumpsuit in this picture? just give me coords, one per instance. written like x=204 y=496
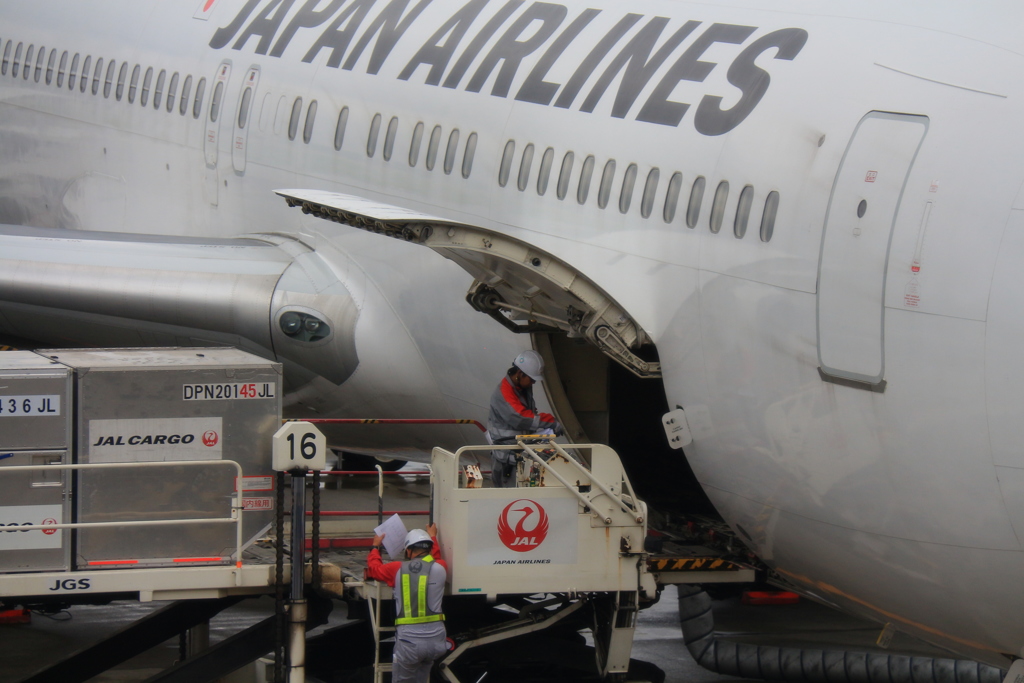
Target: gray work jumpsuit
x=513 y=412
x=420 y=638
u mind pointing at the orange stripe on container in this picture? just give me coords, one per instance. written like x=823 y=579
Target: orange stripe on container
x=198 y=559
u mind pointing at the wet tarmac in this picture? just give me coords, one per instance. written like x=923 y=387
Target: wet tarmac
x=25 y=648
x=49 y=638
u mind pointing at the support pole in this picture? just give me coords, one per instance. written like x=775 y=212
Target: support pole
x=315 y=559
x=280 y=608
x=380 y=495
x=298 y=447
x=297 y=642
x=297 y=606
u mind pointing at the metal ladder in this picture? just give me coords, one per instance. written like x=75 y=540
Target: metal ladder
x=379 y=668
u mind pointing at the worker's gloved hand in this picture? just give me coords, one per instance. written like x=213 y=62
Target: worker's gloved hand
x=559 y=429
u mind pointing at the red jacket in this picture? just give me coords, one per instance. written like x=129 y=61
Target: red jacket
x=377 y=569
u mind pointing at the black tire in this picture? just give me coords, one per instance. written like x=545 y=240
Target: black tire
x=366 y=463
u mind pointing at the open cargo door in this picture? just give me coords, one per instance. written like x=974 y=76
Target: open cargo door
x=524 y=288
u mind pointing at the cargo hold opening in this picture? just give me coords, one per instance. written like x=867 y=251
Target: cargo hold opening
x=600 y=401
x=603 y=377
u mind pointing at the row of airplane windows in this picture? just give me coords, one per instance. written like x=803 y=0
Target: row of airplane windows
x=54 y=72
x=451 y=150
x=716 y=218
x=18 y=60
x=105 y=79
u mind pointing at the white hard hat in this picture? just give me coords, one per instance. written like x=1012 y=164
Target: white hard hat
x=417 y=536
x=530 y=363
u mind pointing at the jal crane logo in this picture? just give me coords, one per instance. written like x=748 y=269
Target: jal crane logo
x=523 y=525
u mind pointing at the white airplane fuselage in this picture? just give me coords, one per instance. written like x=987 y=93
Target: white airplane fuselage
x=850 y=371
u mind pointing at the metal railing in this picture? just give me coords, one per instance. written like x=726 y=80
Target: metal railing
x=380 y=512
x=392 y=421
x=236 y=509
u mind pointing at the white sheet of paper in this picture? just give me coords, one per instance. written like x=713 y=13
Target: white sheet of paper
x=394 y=531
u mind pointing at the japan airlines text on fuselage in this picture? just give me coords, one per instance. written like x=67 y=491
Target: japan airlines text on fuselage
x=539 y=36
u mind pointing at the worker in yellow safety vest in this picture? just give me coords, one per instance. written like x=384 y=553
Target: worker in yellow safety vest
x=420 y=636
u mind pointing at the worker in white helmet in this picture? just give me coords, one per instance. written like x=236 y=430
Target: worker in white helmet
x=514 y=412
x=420 y=636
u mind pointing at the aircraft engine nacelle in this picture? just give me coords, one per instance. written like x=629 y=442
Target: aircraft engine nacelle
x=271 y=295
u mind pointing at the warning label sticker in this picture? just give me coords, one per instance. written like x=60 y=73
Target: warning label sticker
x=255 y=483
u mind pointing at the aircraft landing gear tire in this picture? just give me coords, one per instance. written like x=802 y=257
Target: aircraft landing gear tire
x=365 y=463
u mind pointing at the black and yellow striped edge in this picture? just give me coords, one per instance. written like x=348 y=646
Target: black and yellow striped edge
x=693 y=564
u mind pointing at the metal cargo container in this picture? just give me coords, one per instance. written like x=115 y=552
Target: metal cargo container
x=35 y=429
x=170 y=405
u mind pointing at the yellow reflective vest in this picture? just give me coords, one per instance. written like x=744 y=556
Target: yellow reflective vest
x=411 y=599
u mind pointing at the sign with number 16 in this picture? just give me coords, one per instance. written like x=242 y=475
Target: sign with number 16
x=299 y=445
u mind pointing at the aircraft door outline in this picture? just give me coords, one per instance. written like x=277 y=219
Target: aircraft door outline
x=853 y=261
x=214 y=116
x=243 y=120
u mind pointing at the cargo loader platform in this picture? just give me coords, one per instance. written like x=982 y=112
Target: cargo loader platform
x=562 y=552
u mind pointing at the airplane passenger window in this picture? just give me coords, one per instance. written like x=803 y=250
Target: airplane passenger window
x=718 y=206
x=49 y=66
x=739 y=226
x=339 y=131
x=186 y=90
x=451 y=151
x=371 y=140
x=544 y=174
x=675 y=184
x=172 y=92
x=17 y=60
x=71 y=74
x=218 y=92
x=524 y=167
x=197 y=104
x=432 y=145
x=133 y=85
x=84 y=81
x=7 y=59
x=243 y=107
x=650 y=188
x=696 y=199
x=389 y=138
x=583 y=190
x=108 y=81
x=96 y=75
x=563 y=175
x=158 y=92
x=506 y=163
x=467 y=156
x=628 y=183
x=28 y=61
x=122 y=75
x=60 y=71
x=414 y=146
x=147 y=83
x=39 y=64
x=307 y=130
x=771 y=209
x=605 y=190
